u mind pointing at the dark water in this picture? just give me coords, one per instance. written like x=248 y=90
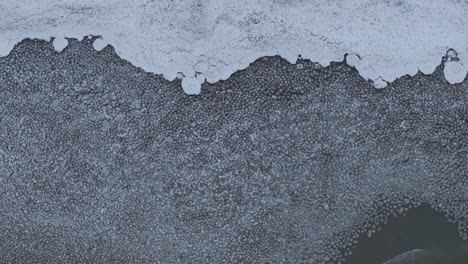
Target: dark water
x=421 y=228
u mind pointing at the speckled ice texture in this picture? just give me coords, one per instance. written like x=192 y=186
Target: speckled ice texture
x=218 y=37
x=102 y=162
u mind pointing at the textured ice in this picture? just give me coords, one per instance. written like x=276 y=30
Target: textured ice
x=219 y=37
x=407 y=257
x=454 y=72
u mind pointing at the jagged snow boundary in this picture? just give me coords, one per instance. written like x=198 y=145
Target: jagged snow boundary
x=391 y=38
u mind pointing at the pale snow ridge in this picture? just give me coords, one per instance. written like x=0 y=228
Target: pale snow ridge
x=218 y=37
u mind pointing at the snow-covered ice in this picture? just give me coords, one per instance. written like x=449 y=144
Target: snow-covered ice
x=219 y=37
x=60 y=44
x=191 y=85
x=352 y=60
x=454 y=72
x=99 y=44
x=201 y=78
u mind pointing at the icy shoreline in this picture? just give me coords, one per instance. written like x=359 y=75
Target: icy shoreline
x=216 y=38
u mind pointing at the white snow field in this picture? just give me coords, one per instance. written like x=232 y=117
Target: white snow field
x=389 y=38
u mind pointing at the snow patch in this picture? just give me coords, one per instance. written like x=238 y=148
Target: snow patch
x=219 y=37
x=352 y=60
x=179 y=76
x=191 y=85
x=427 y=68
x=454 y=72
x=366 y=70
x=379 y=83
x=99 y=44
x=60 y=44
x=201 y=78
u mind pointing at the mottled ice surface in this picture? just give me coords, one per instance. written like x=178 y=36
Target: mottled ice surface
x=102 y=162
x=219 y=37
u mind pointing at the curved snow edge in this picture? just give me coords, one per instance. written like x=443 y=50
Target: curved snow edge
x=454 y=70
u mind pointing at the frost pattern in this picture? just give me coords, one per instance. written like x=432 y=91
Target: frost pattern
x=219 y=37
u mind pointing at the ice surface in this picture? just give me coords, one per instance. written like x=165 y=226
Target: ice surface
x=60 y=44
x=219 y=37
x=408 y=257
x=102 y=162
x=454 y=72
x=352 y=60
x=191 y=85
x=379 y=83
x=99 y=44
x=201 y=78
